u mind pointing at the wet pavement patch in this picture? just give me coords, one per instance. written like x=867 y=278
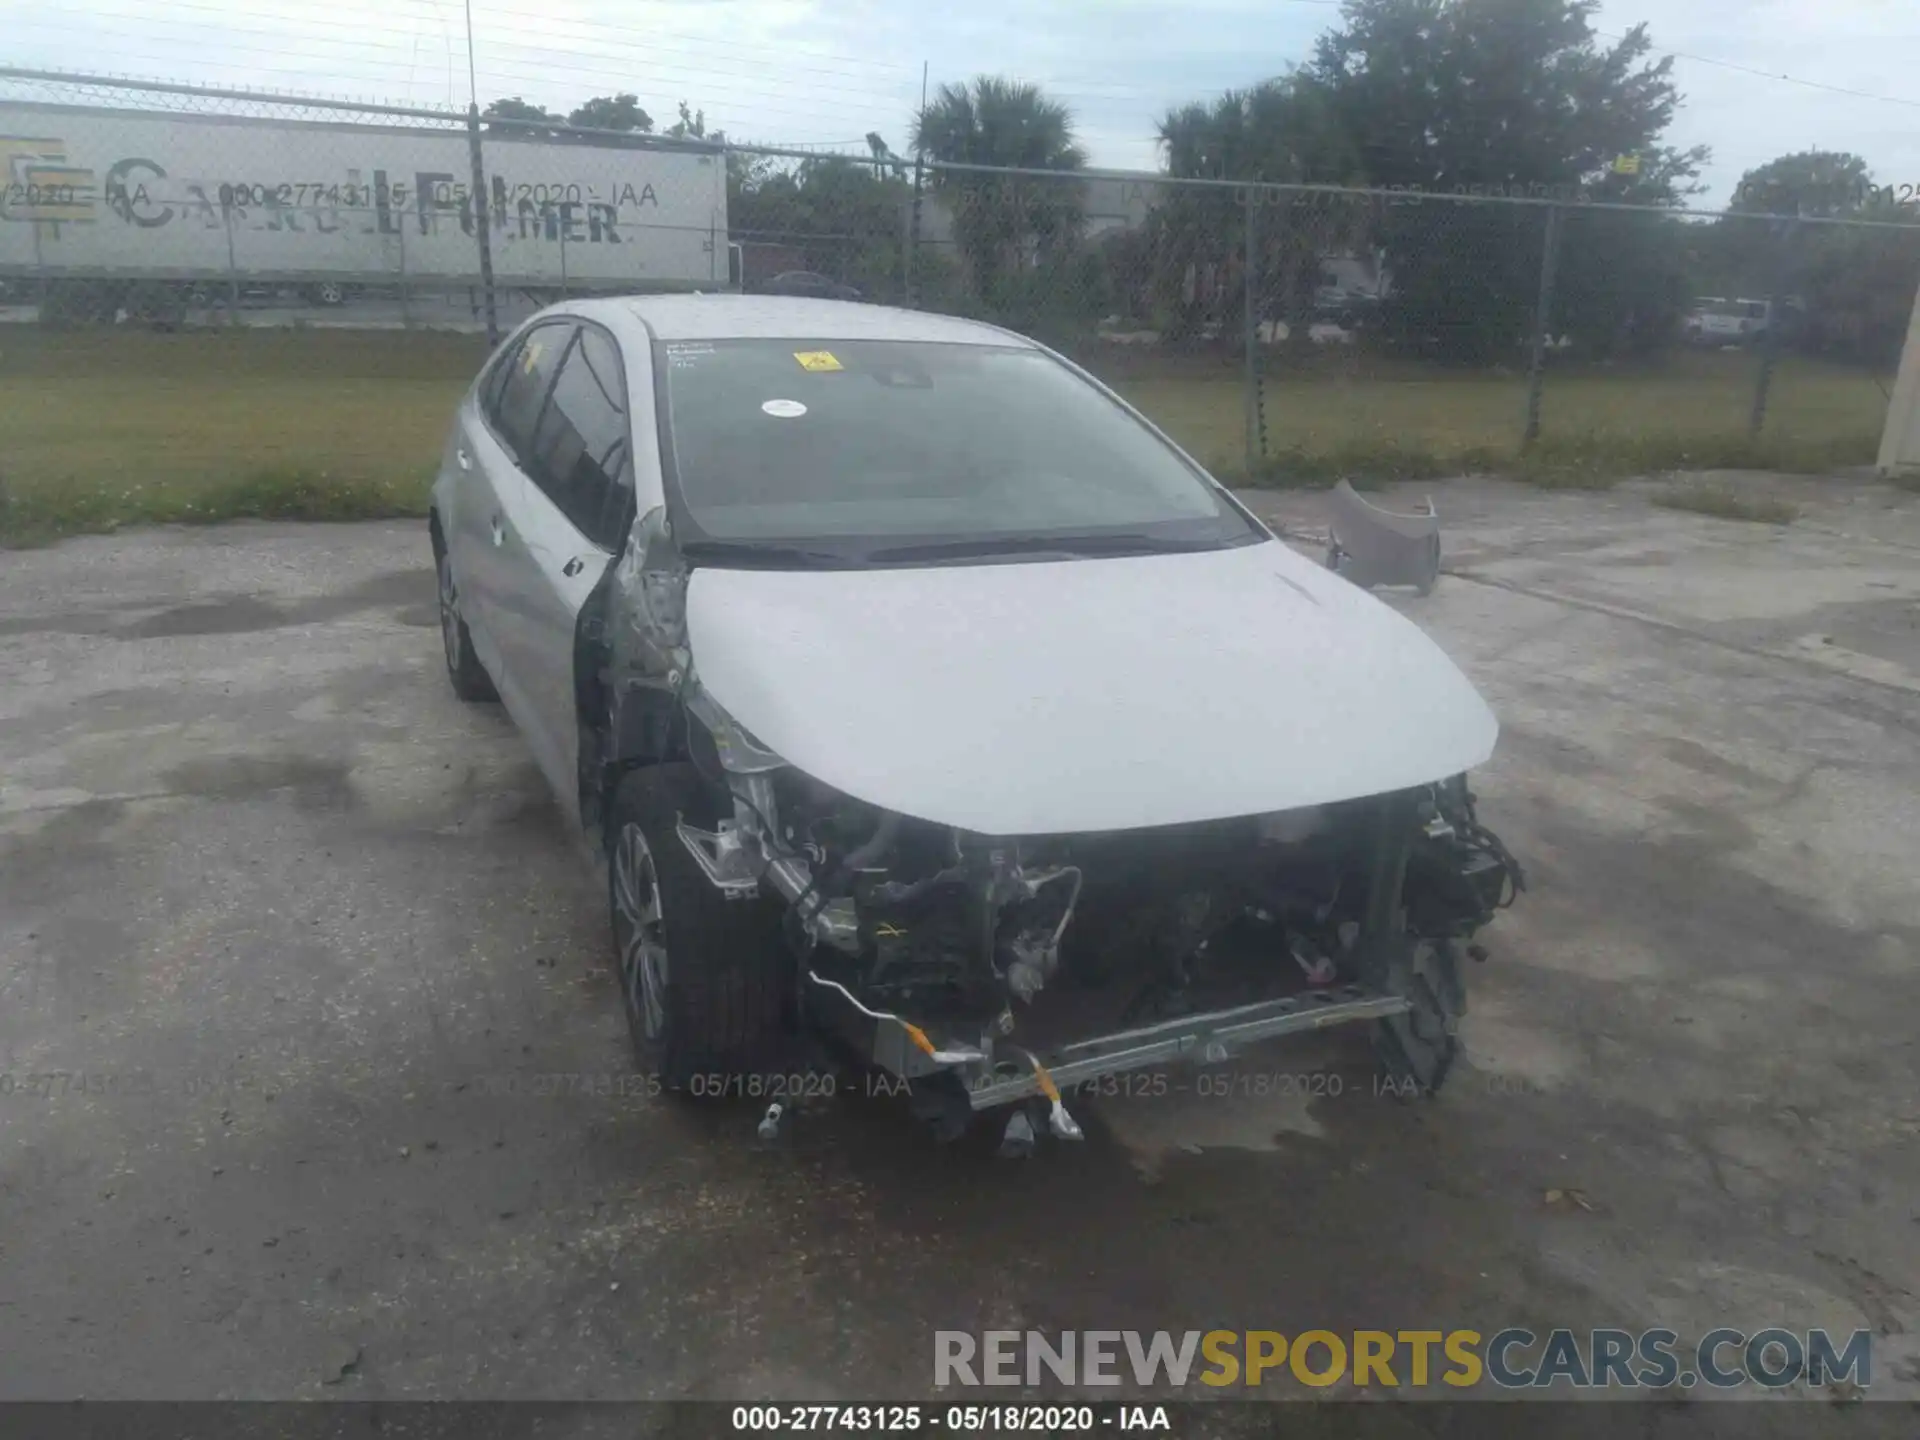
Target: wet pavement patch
x=236 y=616
x=313 y=781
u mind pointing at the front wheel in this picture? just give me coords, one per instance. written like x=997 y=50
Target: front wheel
x=1417 y=1049
x=703 y=979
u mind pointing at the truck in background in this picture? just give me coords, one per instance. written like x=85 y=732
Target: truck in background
x=1717 y=321
x=107 y=212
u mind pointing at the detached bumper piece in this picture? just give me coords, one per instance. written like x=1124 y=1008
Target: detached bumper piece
x=1374 y=547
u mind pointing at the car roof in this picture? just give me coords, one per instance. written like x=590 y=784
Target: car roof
x=791 y=317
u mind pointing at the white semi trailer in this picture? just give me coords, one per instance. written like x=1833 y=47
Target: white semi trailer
x=97 y=205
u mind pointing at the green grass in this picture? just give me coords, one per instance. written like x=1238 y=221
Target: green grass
x=1725 y=503
x=1346 y=416
x=107 y=428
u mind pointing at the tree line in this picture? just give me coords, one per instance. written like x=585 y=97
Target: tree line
x=1419 y=98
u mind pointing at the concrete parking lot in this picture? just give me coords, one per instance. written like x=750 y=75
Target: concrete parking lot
x=303 y=935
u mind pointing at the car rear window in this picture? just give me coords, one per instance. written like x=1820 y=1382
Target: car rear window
x=868 y=440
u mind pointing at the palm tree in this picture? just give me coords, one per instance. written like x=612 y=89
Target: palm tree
x=995 y=121
x=1281 y=130
x=1003 y=222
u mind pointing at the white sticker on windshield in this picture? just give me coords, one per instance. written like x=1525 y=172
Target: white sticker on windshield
x=784 y=409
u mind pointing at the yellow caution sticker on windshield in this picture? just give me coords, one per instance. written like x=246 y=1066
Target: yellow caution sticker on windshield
x=817 y=360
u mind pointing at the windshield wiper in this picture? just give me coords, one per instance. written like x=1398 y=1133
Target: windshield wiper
x=1075 y=546
x=751 y=555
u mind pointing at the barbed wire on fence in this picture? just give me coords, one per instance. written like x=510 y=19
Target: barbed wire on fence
x=25 y=85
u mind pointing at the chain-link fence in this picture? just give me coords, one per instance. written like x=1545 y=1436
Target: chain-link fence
x=1285 y=331
x=1307 y=331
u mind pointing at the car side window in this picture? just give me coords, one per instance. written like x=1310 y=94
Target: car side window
x=513 y=409
x=495 y=375
x=579 y=455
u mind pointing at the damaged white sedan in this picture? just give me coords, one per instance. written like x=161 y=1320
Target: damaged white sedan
x=932 y=708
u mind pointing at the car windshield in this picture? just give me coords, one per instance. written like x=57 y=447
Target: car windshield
x=870 y=451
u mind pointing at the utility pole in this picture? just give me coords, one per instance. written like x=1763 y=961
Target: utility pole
x=919 y=169
x=473 y=85
x=482 y=211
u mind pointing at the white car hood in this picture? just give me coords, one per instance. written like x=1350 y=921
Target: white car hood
x=1098 y=694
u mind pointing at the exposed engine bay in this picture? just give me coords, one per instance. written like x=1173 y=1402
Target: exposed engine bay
x=1007 y=966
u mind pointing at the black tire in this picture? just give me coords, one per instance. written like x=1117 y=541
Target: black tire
x=1417 y=1049
x=79 y=304
x=704 y=980
x=159 y=304
x=468 y=676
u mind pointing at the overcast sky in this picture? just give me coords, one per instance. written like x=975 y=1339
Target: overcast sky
x=828 y=71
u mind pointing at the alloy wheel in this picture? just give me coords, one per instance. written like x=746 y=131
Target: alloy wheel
x=639 y=931
x=449 y=614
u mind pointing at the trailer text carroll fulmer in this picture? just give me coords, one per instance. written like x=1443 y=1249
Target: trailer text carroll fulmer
x=104 y=195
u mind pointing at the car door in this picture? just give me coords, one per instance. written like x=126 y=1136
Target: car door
x=495 y=424
x=570 y=519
